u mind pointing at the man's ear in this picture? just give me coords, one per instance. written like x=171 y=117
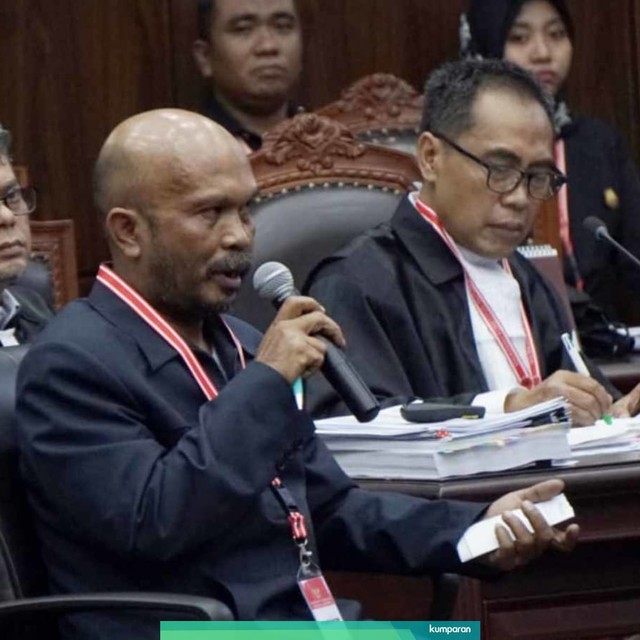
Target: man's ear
x=201 y=50
x=124 y=228
x=428 y=153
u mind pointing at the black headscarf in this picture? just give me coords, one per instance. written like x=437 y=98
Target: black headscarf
x=484 y=29
x=490 y=20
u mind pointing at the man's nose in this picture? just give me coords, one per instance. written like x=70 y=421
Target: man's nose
x=267 y=41
x=7 y=216
x=519 y=198
x=238 y=232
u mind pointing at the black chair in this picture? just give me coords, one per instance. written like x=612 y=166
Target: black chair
x=318 y=189
x=25 y=607
x=38 y=276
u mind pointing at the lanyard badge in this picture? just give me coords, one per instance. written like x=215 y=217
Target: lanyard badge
x=312 y=584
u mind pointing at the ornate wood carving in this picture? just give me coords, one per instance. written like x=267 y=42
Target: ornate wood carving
x=380 y=101
x=314 y=141
x=313 y=150
x=53 y=242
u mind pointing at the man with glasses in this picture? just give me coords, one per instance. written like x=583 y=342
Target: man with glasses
x=23 y=312
x=435 y=303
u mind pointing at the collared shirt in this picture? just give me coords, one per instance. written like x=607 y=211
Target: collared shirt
x=214 y=110
x=9 y=308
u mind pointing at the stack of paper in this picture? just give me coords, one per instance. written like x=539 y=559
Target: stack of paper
x=392 y=447
x=605 y=443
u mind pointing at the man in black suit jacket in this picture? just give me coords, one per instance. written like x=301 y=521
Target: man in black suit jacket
x=437 y=303
x=151 y=424
x=23 y=312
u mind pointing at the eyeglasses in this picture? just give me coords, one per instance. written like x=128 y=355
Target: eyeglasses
x=20 y=200
x=541 y=184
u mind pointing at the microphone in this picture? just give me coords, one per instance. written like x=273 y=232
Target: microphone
x=273 y=281
x=600 y=231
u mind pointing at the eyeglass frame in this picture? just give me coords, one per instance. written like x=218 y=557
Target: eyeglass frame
x=27 y=189
x=561 y=179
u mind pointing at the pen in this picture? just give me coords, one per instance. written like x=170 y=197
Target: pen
x=579 y=364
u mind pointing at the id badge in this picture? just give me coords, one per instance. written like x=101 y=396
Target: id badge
x=317 y=594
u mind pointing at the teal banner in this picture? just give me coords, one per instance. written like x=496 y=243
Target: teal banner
x=460 y=630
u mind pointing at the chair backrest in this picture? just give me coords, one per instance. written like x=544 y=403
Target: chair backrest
x=318 y=189
x=22 y=572
x=381 y=109
x=545 y=259
x=52 y=270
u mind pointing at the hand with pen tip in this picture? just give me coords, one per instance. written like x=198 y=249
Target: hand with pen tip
x=628 y=405
x=588 y=399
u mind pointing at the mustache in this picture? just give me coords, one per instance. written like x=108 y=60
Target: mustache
x=238 y=262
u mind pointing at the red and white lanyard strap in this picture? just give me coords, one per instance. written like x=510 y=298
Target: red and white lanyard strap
x=563 y=216
x=527 y=374
x=139 y=305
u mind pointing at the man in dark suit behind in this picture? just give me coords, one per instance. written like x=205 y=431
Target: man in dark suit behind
x=151 y=424
x=23 y=312
x=250 y=54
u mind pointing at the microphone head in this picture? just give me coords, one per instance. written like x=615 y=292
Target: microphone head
x=273 y=281
x=596 y=226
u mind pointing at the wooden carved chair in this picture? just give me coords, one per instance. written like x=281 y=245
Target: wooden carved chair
x=381 y=109
x=52 y=270
x=318 y=188
x=53 y=247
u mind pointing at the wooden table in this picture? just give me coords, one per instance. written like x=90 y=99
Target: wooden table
x=624 y=373
x=591 y=593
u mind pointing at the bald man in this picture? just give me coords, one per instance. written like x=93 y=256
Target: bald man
x=152 y=424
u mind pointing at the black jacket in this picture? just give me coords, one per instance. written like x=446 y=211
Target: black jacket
x=139 y=483
x=399 y=295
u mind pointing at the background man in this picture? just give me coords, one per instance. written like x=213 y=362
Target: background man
x=23 y=312
x=151 y=424
x=250 y=51
x=436 y=303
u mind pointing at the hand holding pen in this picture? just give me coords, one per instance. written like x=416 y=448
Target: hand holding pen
x=579 y=364
x=588 y=399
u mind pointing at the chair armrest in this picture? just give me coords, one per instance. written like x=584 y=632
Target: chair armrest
x=197 y=607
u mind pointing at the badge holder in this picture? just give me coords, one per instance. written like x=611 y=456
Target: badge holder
x=313 y=586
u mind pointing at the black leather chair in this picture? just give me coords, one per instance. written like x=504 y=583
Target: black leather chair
x=318 y=189
x=38 y=276
x=25 y=607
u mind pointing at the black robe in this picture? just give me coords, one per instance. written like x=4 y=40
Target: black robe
x=399 y=295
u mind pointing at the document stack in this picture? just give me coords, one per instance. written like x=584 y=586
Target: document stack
x=391 y=447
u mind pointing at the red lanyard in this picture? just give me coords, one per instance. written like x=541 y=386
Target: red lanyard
x=140 y=306
x=563 y=216
x=137 y=303
x=528 y=375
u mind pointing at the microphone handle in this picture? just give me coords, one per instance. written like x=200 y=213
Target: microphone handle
x=348 y=384
x=343 y=377
x=620 y=248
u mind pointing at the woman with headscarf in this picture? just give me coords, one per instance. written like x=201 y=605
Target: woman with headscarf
x=603 y=181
